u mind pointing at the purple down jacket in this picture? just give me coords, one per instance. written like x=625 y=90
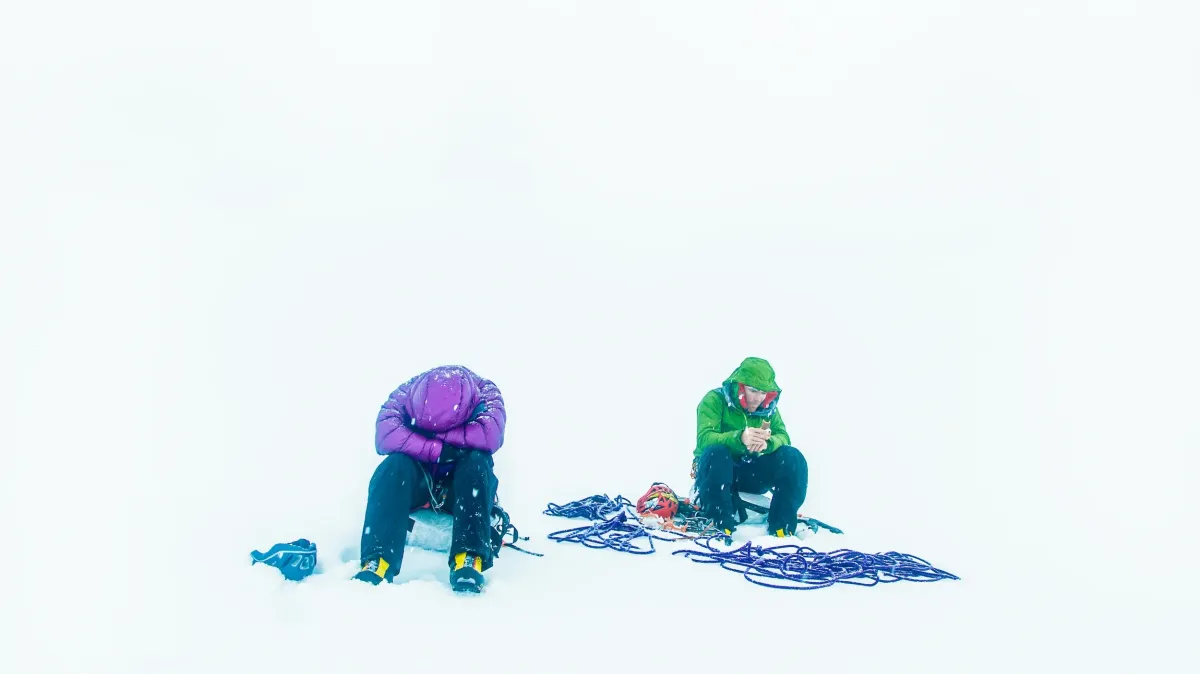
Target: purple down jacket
x=446 y=405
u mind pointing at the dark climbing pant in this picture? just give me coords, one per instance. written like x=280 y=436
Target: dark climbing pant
x=401 y=485
x=719 y=477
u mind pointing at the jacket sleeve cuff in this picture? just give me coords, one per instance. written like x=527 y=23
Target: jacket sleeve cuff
x=735 y=442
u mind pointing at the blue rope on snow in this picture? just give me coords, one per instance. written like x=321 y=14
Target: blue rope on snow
x=612 y=526
x=791 y=567
x=599 y=507
x=618 y=533
x=785 y=567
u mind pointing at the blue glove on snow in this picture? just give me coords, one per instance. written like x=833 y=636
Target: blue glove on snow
x=296 y=560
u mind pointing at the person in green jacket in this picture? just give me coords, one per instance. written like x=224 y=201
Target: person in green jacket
x=742 y=445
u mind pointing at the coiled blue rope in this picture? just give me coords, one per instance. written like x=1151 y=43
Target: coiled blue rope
x=612 y=526
x=792 y=567
x=619 y=533
x=598 y=507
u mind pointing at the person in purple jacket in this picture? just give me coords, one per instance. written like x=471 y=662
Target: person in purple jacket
x=437 y=432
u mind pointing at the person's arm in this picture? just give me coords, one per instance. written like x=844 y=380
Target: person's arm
x=394 y=432
x=485 y=430
x=708 y=426
x=779 y=434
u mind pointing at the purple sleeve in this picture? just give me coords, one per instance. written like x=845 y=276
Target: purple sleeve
x=393 y=433
x=486 y=430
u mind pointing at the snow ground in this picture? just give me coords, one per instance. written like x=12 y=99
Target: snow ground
x=961 y=233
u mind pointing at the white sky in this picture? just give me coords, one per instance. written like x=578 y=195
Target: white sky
x=962 y=232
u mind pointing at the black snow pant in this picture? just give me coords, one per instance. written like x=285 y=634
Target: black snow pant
x=719 y=477
x=401 y=485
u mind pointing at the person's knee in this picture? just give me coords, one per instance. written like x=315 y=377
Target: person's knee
x=394 y=468
x=396 y=464
x=793 y=461
x=719 y=453
x=715 y=461
x=475 y=461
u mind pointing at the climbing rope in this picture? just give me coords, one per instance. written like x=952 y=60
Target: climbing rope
x=791 y=567
x=619 y=533
x=615 y=525
x=599 y=507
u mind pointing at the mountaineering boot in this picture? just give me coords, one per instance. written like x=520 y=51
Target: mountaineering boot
x=727 y=527
x=724 y=522
x=784 y=531
x=467 y=575
x=374 y=571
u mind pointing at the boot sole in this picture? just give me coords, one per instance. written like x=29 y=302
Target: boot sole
x=467 y=581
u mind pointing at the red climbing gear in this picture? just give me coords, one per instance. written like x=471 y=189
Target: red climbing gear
x=659 y=501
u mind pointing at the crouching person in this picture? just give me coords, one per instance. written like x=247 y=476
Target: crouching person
x=742 y=445
x=437 y=432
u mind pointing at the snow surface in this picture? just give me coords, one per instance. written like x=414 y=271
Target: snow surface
x=962 y=233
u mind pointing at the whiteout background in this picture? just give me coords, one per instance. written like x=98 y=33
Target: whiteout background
x=962 y=234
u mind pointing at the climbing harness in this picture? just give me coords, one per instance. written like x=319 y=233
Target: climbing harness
x=502 y=526
x=438 y=492
x=792 y=567
x=501 y=521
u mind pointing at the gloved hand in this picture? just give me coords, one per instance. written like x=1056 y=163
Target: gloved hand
x=451 y=454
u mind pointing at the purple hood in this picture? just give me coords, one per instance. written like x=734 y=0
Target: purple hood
x=442 y=398
x=445 y=405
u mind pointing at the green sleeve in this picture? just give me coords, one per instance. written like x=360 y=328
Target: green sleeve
x=779 y=434
x=708 y=427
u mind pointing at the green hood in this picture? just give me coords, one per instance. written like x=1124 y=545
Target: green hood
x=721 y=419
x=754 y=372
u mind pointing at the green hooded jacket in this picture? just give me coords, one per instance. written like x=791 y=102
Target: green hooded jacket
x=720 y=417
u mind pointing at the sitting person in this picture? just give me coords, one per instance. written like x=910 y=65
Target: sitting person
x=438 y=432
x=742 y=445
